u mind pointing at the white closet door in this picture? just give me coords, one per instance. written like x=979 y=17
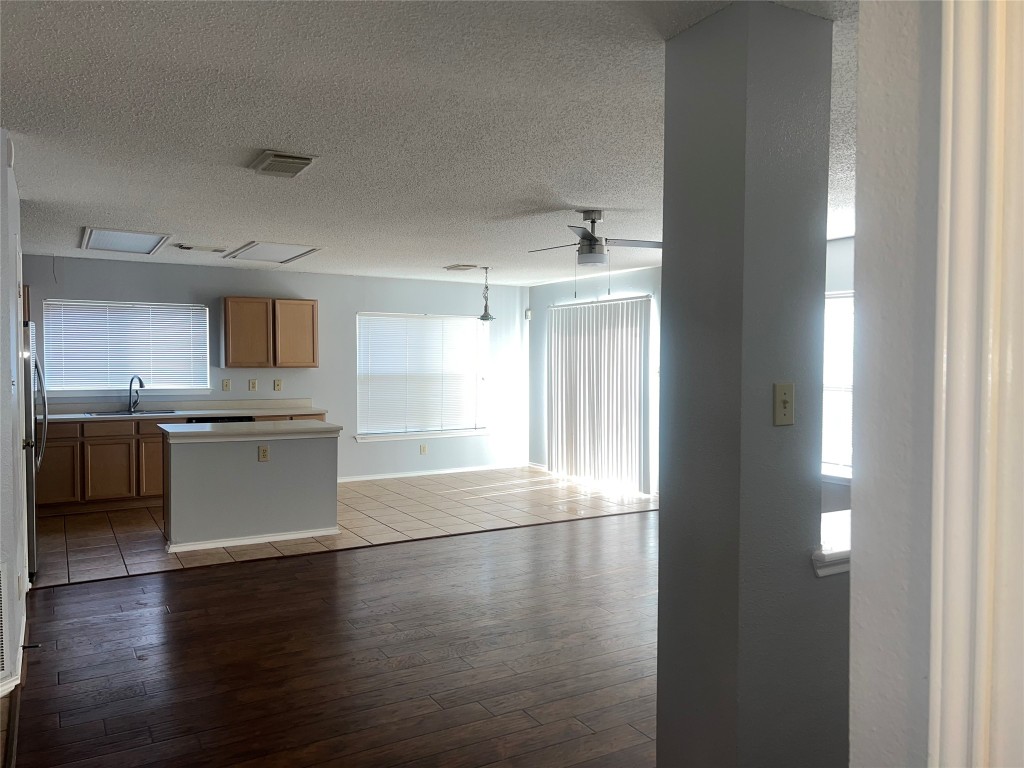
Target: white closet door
x=598 y=357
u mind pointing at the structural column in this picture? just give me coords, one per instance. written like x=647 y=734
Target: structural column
x=753 y=648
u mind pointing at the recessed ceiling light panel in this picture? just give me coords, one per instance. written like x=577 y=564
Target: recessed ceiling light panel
x=271 y=253
x=122 y=241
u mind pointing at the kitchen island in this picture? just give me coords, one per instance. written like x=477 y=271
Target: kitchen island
x=248 y=482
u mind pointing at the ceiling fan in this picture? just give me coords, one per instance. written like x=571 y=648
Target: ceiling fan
x=593 y=249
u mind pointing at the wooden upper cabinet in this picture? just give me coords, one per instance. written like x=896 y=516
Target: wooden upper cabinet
x=295 y=333
x=248 y=332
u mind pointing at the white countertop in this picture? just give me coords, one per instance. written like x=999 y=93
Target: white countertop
x=185 y=414
x=249 y=431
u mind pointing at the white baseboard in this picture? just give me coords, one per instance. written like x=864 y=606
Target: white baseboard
x=392 y=475
x=535 y=465
x=9 y=684
x=243 y=540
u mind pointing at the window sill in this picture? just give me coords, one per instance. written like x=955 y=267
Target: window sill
x=830 y=563
x=834 y=473
x=420 y=435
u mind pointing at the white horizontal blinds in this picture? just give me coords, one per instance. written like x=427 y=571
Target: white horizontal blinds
x=420 y=373
x=597 y=391
x=96 y=345
x=837 y=395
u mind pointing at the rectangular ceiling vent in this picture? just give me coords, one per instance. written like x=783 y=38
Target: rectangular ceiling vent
x=199 y=248
x=283 y=164
x=122 y=241
x=460 y=267
x=270 y=253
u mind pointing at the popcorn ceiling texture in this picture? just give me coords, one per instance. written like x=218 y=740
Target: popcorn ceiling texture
x=447 y=132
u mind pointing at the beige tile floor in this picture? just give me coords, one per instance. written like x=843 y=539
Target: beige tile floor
x=105 y=545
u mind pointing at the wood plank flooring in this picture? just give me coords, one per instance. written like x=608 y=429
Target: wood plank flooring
x=532 y=647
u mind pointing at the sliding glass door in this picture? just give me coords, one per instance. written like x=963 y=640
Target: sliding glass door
x=598 y=393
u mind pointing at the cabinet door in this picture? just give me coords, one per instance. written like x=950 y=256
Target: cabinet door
x=248 y=332
x=151 y=466
x=295 y=333
x=59 y=478
x=110 y=468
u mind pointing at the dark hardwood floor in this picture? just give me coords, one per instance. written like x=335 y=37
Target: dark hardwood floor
x=531 y=647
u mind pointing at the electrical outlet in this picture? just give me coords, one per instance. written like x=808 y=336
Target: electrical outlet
x=423 y=450
x=225 y=385
x=263 y=453
x=277 y=385
x=253 y=383
x=784 y=408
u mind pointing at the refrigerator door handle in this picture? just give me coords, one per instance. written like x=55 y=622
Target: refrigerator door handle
x=46 y=414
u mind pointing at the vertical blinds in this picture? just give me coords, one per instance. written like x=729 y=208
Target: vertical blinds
x=98 y=345
x=420 y=373
x=598 y=391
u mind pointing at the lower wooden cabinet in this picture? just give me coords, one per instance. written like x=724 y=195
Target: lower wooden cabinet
x=103 y=465
x=59 y=475
x=151 y=466
x=110 y=468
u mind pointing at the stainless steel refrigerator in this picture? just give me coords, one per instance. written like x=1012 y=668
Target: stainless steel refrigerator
x=35 y=439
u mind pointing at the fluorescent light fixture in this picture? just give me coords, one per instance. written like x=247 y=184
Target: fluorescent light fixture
x=460 y=267
x=122 y=241
x=271 y=253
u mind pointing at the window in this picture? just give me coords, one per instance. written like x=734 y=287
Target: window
x=837 y=399
x=100 y=345
x=420 y=373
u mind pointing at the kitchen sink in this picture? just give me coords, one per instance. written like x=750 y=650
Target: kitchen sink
x=131 y=413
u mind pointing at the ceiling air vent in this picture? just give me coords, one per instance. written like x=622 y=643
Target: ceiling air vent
x=284 y=164
x=199 y=248
x=271 y=253
x=460 y=267
x=122 y=241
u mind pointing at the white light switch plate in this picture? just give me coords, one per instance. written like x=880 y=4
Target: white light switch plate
x=225 y=385
x=277 y=385
x=784 y=409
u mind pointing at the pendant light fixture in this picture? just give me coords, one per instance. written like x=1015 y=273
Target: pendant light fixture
x=486 y=316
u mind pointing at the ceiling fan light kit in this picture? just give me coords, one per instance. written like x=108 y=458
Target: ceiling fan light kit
x=591 y=249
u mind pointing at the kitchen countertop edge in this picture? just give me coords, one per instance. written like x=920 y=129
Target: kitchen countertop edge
x=183 y=414
x=248 y=431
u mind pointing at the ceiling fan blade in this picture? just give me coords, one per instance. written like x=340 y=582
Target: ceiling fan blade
x=583 y=233
x=553 y=247
x=633 y=243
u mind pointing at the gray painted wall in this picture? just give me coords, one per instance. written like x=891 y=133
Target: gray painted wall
x=592 y=288
x=897 y=225
x=753 y=662
x=333 y=384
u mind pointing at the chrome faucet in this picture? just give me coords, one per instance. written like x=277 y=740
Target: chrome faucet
x=133 y=399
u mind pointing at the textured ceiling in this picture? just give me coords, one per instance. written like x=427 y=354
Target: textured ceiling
x=446 y=132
